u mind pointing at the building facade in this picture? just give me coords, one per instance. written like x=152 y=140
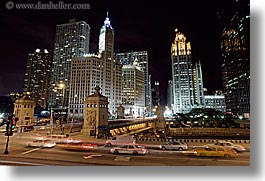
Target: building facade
x=133 y=92
x=89 y=72
x=235 y=55
x=38 y=76
x=128 y=58
x=71 y=40
x=216 y=102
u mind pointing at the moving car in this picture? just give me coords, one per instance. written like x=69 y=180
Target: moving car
x=174 y=145
x=129 y=149
x=44 y=143
x=79 y=146
x=215 y=151
x=227 y=144
x=62 y=139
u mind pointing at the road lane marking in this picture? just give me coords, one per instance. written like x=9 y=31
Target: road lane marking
x=26 y=152
x=91 y=156
x=122 y=158
x=21 y=163
x=240 y=161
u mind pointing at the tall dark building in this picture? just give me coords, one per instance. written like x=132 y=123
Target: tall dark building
x=235 y=54
x=38 y=76
x=156 y=95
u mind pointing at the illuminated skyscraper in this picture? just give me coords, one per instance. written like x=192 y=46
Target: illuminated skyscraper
x=71 y=40
x=38 y=76
x=128 y=58
x=182 y=74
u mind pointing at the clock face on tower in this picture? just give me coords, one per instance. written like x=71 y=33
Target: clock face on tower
x=109 y=36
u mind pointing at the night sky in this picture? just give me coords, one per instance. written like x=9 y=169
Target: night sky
x=139 y=25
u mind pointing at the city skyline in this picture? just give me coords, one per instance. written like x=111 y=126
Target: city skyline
x=138 y=27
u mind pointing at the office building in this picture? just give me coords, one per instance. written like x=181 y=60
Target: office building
x=127 y=58
x=133 y=93
x=38 y=76
x=71 y=40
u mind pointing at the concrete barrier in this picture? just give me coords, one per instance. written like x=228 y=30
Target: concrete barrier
x=192 y=140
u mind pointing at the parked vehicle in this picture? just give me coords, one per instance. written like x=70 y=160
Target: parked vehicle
x=44 y=143
x=174 y=145
x=120 y=140
x=227 y=144
x=215 y=151
x=129 y=149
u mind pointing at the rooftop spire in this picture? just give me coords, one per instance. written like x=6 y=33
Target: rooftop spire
x=107 y=21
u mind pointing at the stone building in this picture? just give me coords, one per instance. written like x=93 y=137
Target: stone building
x=96 y=114
x=24 y=110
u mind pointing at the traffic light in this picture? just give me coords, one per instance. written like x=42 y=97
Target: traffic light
x=10 y=126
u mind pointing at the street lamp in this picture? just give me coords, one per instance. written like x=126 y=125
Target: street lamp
x=62 y=87
x=144 y=112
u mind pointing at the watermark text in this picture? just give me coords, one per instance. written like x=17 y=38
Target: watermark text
x=47 y=6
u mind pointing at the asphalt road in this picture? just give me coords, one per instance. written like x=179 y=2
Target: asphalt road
x=19 y=154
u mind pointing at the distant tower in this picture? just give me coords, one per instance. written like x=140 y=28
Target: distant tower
x=106 y=40
x=96 y=114
x=156 y=96
x=38 y=77
x=170 y=94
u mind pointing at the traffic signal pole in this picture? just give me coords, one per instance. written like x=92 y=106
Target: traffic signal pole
x=10 y=125
x=7 y=141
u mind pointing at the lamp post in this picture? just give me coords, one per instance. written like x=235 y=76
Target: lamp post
x=144 y=112
x=62 y=87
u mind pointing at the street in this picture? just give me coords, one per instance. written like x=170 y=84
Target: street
x=19 y=154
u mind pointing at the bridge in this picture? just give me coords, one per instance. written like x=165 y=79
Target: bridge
x=131 y=125
x=137 y=125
